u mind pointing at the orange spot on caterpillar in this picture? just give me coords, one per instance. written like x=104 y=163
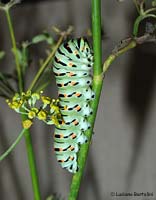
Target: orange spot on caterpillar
x=58 y=149
x=72 y=83
x=70 y=74
x=58 y=135
x=77 y=94
x=71 y=158
x=82 y=49
x=58 y=60
x=65 y=95
x=62 y=85
x=75 y=122
x=70 y=64
x=75 y=52
x=73 y=136
x=78 y=108
x=63 y=122
x=71 y=148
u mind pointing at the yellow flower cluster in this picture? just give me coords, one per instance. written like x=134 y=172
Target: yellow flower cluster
x=35 y=105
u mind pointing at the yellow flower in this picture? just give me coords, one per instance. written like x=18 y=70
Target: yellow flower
x=14 y=105
x=27 y=123
x=42 y=115
x=16 y=97
x=55 y=120
x=54 y=108
x=35 y=110
x=31 y=114
x=35 y=96
x=28 y=93
x=46 y=100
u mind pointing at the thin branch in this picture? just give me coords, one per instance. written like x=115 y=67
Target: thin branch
x=130 y=44
x=136 y=5
x=138 y=21
x=4 y=155
x=11 y=30
x=150 y=10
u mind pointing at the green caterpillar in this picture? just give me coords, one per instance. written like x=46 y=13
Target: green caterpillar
x=73 y=62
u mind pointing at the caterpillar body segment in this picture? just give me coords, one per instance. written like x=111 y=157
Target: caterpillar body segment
x=71 y=108
x=83 y=94
x=60 y=73
x=73 y=82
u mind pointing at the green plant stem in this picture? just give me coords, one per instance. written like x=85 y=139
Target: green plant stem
x=6 y=153
x=27 y=135
x=133 y=42
x=136 y=5
x=113 y=56
x=4 y=89
x=32 y=163
x=7 y=84
x=150 y=10
x=42 y=87
x=18 y=68
x=45 y=64
x=138 y=21
x=142 y=8
x=97 y=86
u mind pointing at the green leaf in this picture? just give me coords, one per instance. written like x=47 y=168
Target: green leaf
x=38 y=38
x=19 y=53
x=43 y=37
x=23 y=56
x=2 y=54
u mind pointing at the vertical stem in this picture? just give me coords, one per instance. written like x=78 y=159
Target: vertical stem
x=97 y=86
x=18 y=68
x=97 y=48
x=32 y=163
x=28 y=140
x=96 y=31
